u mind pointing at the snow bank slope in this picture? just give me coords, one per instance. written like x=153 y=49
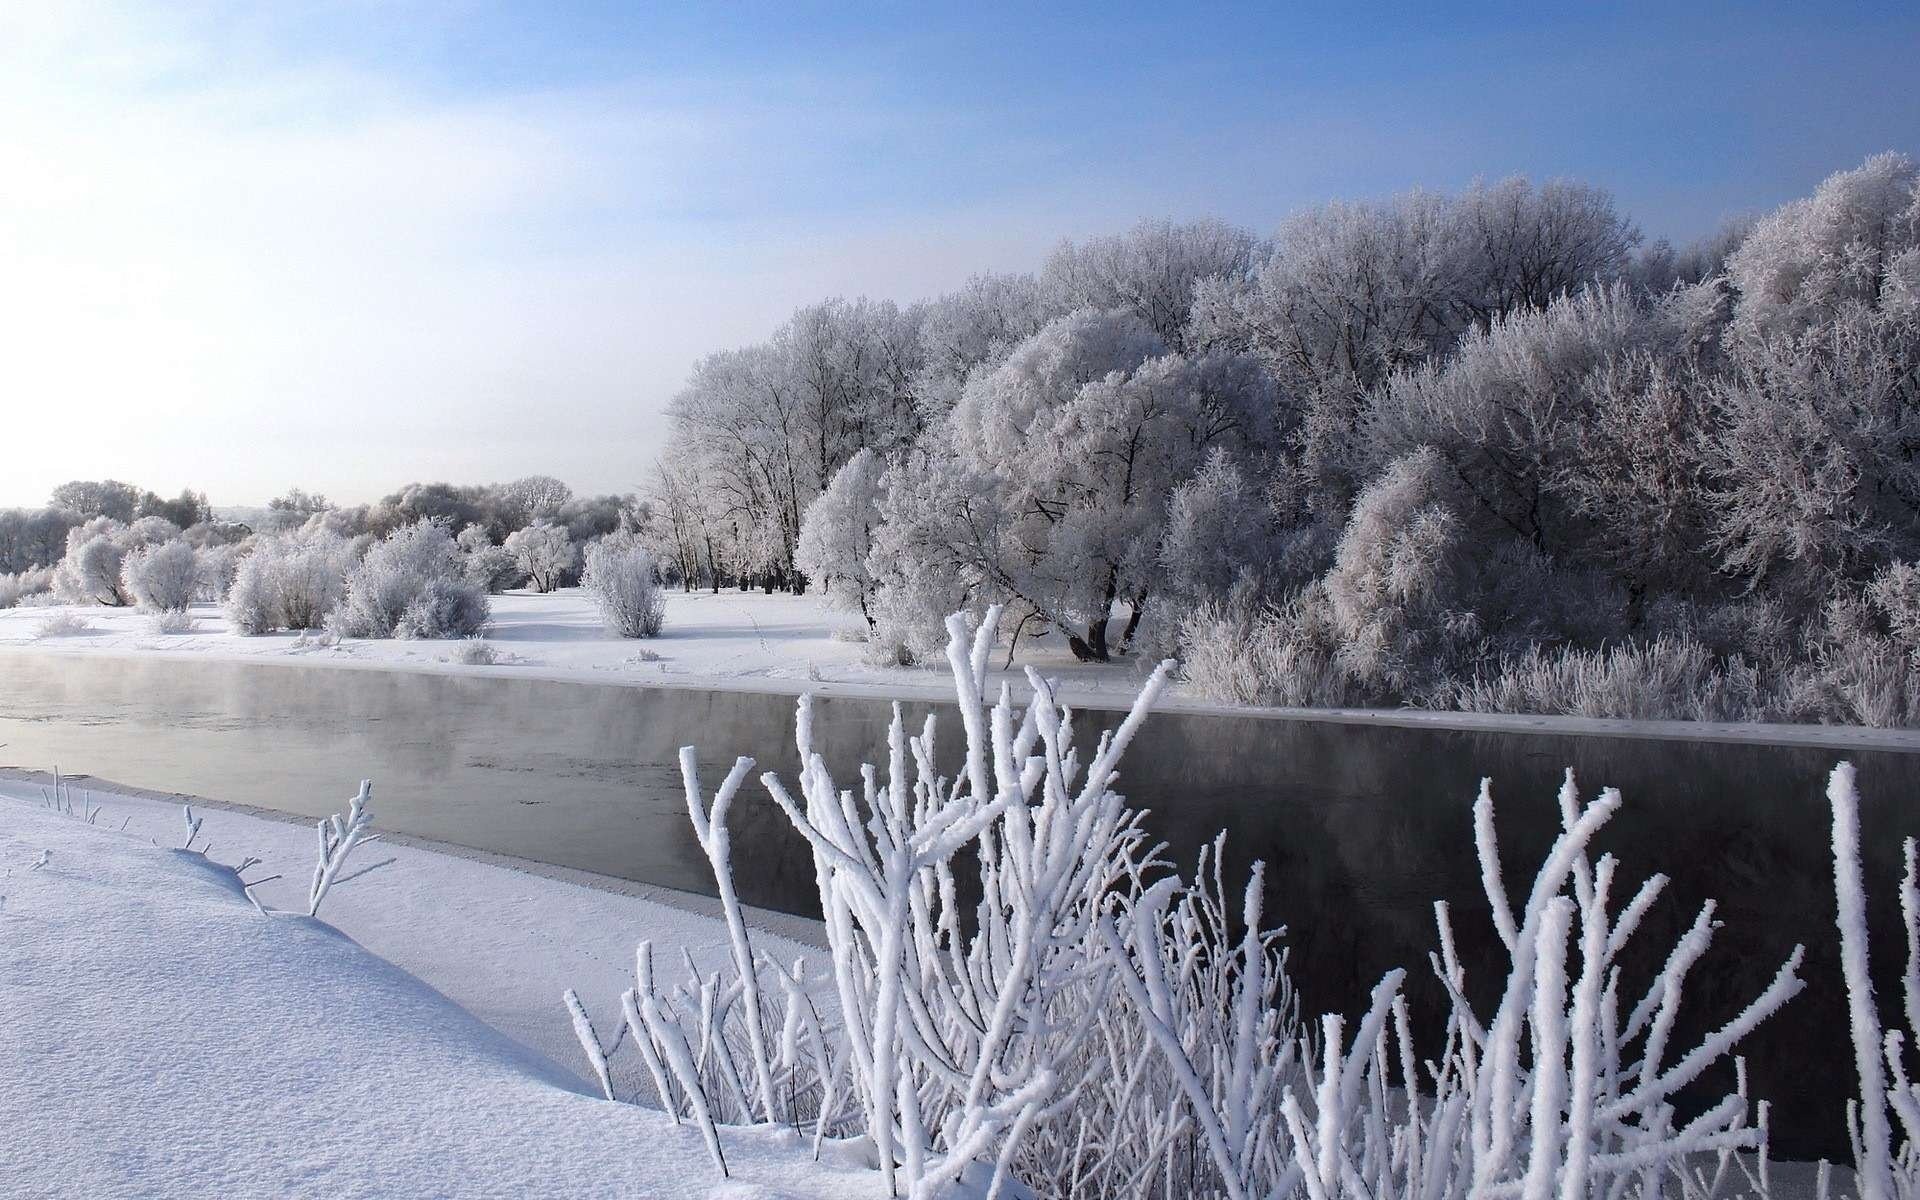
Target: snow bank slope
x=162 y=1038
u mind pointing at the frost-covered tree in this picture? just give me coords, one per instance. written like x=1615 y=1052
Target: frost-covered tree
x=491 y=568
x=91 y=572
x=544 y=553
x=163 y=576
x=1855 y=241
x=1505 y=411
x=533 y=498
x=1150 y=271
x=1515 y=244
x=1067 y=453
x=410 y=585
x=288 y=581
x=33 y=537
x=99 y=498
x=836 y=535
x=975 y=327
x=1398 y=586
x=1814 y=471
x=624 y=582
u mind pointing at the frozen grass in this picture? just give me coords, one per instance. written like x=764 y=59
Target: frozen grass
x=63 y=624
x=474 y=652
x=1669 y=678
x=1095 y=1025
x=172 y=621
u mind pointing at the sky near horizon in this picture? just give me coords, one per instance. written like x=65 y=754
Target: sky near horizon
x=349 y=245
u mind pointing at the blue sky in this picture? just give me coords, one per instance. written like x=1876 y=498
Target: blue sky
x=496 y=235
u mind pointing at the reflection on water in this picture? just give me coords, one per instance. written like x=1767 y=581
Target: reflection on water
x=1362 y=827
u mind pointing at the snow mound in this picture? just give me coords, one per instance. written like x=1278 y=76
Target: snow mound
x=163 y=1038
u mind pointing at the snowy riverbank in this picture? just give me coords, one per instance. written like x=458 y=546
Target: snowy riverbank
x=165 y=1039
x=507 y=936
x=734 y=641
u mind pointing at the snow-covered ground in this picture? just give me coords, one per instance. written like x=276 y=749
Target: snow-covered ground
x=506 y=938
x=163 y=1038
x=780 y=643
x=731 y=639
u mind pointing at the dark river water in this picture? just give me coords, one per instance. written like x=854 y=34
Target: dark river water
x=1362 y=827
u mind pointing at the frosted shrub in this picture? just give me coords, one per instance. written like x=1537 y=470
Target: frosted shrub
x=172 y=621
x=63 y=624
x=219 y=563
x=162 y=577
x=90 y=573
x=1667 y=679
x=19 y=586
x=474 y=652
x=445 y=608
x=544 y=553
x=624 y=583
x=492 y=569
x=1092 y=1024
x=390 y=588
x=1283 y=654
x=1398 y=586
x=290 y=582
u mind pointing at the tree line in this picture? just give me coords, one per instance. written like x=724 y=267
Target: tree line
x=1490 y=449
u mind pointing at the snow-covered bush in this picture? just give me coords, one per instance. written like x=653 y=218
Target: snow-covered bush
x=625 y=585
x=20 y=585
x=445 y=608
x=63 y=624
x=172 y=621
x=1285 y=654
x=289 y=581
x=219 y=563
x=1666 y=679
x=1399 y=590
x=1092 y=1024
x=410 y=585
x=544 y=553
x=474 y=652
x=489 y=567
x=163 y=576
x=90 y=573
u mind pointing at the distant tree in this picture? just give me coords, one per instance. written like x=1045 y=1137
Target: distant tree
x=533 y=498
x=90 y=573
x=544 y=553
x=32 y=537
x=187 y=509
x=300 y=503
x=98 y=498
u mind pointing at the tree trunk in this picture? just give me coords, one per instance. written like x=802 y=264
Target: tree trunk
x=1094 y=647
x=1133 y=624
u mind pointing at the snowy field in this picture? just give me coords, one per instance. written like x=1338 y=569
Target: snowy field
x=166 y=1039
x=775 y=643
